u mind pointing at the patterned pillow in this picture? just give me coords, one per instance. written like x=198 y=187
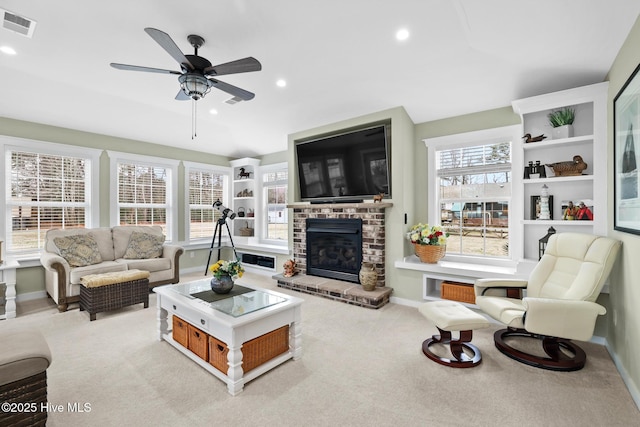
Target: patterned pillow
x=79 y=249
x=144 y=246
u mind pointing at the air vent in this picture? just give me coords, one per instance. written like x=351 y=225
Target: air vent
x=18 y=24
x=233 y=100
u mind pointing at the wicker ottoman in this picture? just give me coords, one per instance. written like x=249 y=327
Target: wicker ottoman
x=24 y=359
x=110 y=291
x=452 y=316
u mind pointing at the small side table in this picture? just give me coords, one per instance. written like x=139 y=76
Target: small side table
x=8 y=276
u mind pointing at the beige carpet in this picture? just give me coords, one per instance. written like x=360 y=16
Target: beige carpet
x=359 y=367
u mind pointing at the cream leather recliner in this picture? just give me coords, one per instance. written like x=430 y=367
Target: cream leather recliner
x=559 y=303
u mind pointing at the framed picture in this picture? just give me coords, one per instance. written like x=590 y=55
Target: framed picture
x=535 y=207
x=581 y=210
x=626 y=128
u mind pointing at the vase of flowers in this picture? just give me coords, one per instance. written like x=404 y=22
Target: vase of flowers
x=225 y=273
x=429 y=242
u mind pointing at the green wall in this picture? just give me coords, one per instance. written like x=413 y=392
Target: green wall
x=624 y=313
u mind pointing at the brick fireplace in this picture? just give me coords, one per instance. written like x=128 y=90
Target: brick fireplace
x=373 y=230
x=372 y=216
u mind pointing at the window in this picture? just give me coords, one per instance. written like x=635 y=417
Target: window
x=472 y=193
x=275 y=181
x=145 y=189
x=205 y=186
x=46 y=190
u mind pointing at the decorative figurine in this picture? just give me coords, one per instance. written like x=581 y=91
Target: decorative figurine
x=569 y=168
x=530 y=138
x=244 y=174
x=378 y=197
x=544 y=203
x=289 y=268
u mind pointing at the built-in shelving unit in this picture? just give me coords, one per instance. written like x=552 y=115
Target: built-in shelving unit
x=589 y=141
x=244 y=195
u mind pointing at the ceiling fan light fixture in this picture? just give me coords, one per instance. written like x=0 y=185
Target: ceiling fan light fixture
x=194 y=85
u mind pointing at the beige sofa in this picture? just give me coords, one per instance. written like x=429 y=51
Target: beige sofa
x=73 y=253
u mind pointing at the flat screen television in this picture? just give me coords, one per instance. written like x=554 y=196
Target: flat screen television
x=350 y=166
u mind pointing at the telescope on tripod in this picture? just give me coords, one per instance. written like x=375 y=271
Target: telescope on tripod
x=217 y=234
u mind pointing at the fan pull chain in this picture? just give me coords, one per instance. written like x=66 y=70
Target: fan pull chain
x=194 y=124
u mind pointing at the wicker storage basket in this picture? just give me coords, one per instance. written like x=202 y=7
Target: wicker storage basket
x=218 y=354
x=246 y=231
x=198 y=342
x=180 y=332
x=462 y=292
x=430 y=253
x=254 y=352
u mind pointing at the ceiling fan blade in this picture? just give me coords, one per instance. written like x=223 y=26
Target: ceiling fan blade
x=244 y=65
x=167 y=43
x=147 y=69
x=181 y=96
x=233 y=90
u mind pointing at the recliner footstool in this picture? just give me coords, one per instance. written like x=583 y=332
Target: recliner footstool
x=451 y=316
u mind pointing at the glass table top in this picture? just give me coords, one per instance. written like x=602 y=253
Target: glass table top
x=236 y=305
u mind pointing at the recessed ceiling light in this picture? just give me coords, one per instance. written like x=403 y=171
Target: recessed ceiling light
x=402 y=34
x=8 y=50
x=281 y=83
x=213 y=111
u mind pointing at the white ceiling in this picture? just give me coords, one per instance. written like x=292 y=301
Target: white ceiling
x=340 y=59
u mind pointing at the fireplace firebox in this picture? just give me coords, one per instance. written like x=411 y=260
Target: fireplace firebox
x=334 y=248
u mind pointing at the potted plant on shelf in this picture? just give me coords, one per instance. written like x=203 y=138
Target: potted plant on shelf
x=429 y=242
x=562 y=122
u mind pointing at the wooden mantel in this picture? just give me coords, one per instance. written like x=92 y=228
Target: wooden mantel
x=364 y=205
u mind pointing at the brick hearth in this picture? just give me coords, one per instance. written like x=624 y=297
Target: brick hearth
x=350 y=293
x=373 y=251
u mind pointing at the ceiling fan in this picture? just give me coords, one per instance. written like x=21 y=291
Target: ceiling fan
x=197 y=75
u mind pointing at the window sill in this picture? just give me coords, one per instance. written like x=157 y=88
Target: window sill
x=245 y=243
x=264 y=247
x=466 y=270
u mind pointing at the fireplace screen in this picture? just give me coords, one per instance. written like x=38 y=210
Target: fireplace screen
x=334 y=248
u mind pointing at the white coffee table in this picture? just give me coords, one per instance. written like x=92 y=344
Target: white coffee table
x=232 y=321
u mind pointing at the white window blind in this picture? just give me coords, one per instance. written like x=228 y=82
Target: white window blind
x=142 y=194
x=205 y=188
x=46 y=191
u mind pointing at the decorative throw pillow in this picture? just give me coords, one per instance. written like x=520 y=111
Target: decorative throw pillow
x=144 y=246
x=79 y=249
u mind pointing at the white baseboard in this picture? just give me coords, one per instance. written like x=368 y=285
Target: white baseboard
x=29 y=296
x=631 y=386
x=407 y=302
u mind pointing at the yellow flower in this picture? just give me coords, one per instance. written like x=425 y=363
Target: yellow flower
x=231 y=268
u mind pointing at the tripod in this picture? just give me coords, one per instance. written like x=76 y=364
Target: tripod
x=218 y=233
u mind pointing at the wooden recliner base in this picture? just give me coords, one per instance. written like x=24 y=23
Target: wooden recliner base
x=558 y=359
x=461 y=359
